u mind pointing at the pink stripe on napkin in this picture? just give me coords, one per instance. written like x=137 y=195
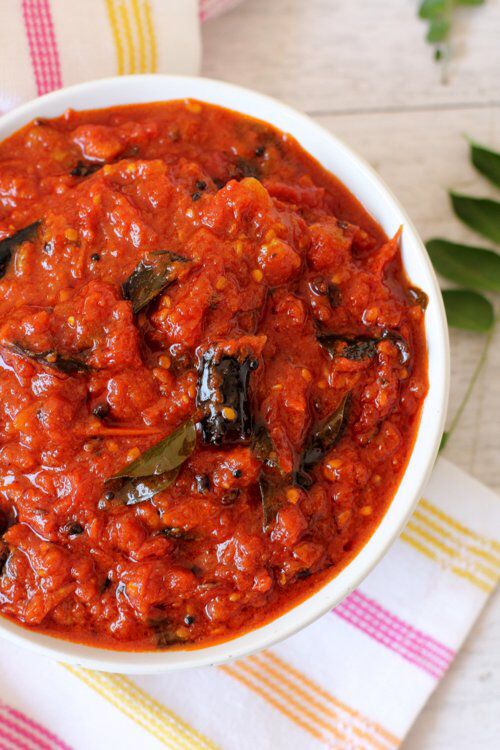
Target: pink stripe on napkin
x=411 y=644
x=42 y=44
x=211 y=8
x=22 y=733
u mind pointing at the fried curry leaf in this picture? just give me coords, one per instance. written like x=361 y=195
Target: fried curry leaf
x=475 y=267
x=4 y=555
x=52 y=359
x=481 y=214
x=155 y=469
x=353 y=348
x=247 y=168
x=166 y=634
x=176 y=532
x=416 y=296
x=151 y=276
x=165 y=456
x=84 y=169
x=271 y=494
x=486 y=161
x=357 y=348
x=139 y=489
x=468 y=310
x=223 y=394
x=9 y=244
x=264 y=450
x=320 y=287
x=324 y=437
x=400 y=343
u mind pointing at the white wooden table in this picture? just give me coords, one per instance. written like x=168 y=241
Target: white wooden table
x=362 y=69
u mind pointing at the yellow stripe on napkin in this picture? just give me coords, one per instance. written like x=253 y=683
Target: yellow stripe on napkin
x=443 y=539
x=134 y=35
x=142 y=708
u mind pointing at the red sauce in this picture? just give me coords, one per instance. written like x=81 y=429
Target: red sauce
x=287 y=316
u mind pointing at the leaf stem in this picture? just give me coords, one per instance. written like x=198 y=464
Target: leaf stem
x=477 y=371
x=448 y=16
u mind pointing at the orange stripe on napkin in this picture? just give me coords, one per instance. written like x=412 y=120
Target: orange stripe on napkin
x=321 y=693
x=233 y=672
x=307 y=704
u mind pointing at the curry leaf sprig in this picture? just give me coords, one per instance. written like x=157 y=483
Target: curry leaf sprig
x=476 y=269
x=439 y=14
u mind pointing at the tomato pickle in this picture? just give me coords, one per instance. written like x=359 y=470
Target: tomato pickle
x=212 y=373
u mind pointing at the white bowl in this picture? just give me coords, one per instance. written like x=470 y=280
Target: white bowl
x=367 y=186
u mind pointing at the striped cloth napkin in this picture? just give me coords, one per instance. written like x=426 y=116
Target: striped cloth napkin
x=47 y=44
x=354 y=680
x=357 y=678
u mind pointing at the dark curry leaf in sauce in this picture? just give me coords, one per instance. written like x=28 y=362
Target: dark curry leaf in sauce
x=353 y=348
x=271 y=493
x=321 y=287
x=417 y=296
x=9 y=245
x=152 y=276
x=322 y=439
x=155 y=469
x=85 y=169
x=167 y=635
x=264 y=449
x=272 y=480
x=357 y=348
x=140 y=489
x=4 y=555
x=175 y=532
x=61 y=362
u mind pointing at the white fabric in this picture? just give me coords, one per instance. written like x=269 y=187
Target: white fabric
x=358 y=673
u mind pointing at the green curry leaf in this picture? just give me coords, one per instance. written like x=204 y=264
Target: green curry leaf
x=475 y=267
x=468 y=310
x=155 y=469
x=440 y=15
x=438 y=30
x=271 y=493
x=444 y=439
x=54 y=360
x=481 y=214
x=164 y=456
x=431 y=8
x=486 y=161
x=139 y=490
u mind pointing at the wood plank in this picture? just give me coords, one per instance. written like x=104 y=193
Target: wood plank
x=338 y=55
x=463 y=712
